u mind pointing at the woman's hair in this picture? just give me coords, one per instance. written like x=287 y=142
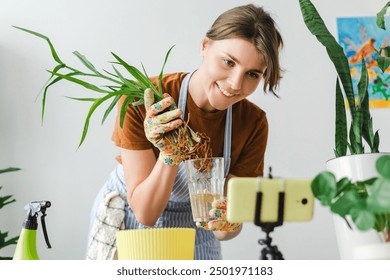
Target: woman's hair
x=256 y=25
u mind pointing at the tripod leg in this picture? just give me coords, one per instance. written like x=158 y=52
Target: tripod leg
x=266 y=254
x=269 y=252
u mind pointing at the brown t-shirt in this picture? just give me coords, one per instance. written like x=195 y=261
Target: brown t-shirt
x=249 y=129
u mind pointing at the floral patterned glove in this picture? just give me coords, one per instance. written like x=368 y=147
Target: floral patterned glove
x=219 y=212
x=162 y=118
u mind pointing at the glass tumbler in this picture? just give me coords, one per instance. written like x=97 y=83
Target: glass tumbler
x=206 y=180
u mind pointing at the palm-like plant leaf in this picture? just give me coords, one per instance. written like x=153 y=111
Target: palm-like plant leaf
x=5 y=200
x=133 y=90
x=4 y=242
x=125 y=104
x=9 y=169
x=162 y=71
x=139 y=76
x=85 y=84
x=53 y=51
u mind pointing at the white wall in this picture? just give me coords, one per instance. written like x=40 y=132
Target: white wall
x=301 y=122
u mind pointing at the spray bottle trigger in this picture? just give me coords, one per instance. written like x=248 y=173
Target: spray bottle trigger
x=44 y=227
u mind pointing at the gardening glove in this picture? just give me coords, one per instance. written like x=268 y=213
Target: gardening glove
x=219 y=224
x=161 y=121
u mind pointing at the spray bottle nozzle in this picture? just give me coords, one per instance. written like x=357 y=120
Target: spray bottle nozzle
x=32 y=210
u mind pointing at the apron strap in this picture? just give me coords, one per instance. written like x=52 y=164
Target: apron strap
x=228 y=123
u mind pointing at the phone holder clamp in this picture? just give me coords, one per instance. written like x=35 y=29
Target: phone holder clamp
x=269 y=252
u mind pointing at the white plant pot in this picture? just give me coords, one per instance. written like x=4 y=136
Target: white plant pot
x=354 y=244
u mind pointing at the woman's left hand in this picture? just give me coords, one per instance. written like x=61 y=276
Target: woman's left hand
x=219 y=223
x=161 y=119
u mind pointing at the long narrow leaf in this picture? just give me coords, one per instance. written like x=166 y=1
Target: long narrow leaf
x=53 y=51
x=132 y=89
x=55 y=70
x=362 y=85
x=86 y=62
x=110 y=107
x=335 y=52
x=136 y=85
x=49 y=84
x=367 y=130
x=137 y=103
x=125 y=81
x=125 y=104
x=162 y=71
x=81 y=82
x=113 y=88
x=133 y=71
x=5 y=200
x=139 y=76
x=11 y=241
x=97 y=103
x=157 y=93
x=88 y=99
x=92 y=109
x=376 y=143
x=111 y=74
x=9 y=169
x=341 y=135
x=145 y=73
x=56 y=80
x=355 y=133
x=91 y=67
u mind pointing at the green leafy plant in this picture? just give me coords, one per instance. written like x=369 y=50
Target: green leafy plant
x=367 y=202
x=119 y=85
x=358 y=103
x=192 y=145
x=5 y=200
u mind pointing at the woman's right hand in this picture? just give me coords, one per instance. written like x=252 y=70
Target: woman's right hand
x=219 y=222
x=162 y=118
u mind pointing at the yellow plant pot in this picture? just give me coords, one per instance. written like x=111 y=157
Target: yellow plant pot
x=156 y=244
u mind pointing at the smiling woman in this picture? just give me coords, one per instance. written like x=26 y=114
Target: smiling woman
x=231 y=68
x=240 y=50
x=143 y=31
x=258 y=28
x=149 y=180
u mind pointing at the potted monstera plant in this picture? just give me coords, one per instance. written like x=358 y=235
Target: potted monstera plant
x=356 y=185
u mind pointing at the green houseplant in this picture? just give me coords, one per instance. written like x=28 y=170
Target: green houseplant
x=111 y=86
x=364 y=202
x=5 y=200
x=361 y=127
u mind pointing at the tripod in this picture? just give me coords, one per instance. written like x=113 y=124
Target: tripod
x=269 y=252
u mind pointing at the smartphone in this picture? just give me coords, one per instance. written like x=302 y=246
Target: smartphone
x=242 y=192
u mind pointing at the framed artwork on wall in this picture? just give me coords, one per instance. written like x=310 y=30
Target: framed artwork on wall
x=360 y=36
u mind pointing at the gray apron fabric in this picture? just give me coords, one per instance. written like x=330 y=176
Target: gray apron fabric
x=178 y=210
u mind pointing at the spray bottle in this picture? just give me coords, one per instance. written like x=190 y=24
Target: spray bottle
x=26 y=248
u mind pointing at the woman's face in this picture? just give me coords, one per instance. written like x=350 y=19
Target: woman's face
x=231 y=71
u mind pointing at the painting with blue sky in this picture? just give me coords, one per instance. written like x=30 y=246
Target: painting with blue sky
x=360 y=36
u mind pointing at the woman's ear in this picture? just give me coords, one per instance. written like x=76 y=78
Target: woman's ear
x=204 y=44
